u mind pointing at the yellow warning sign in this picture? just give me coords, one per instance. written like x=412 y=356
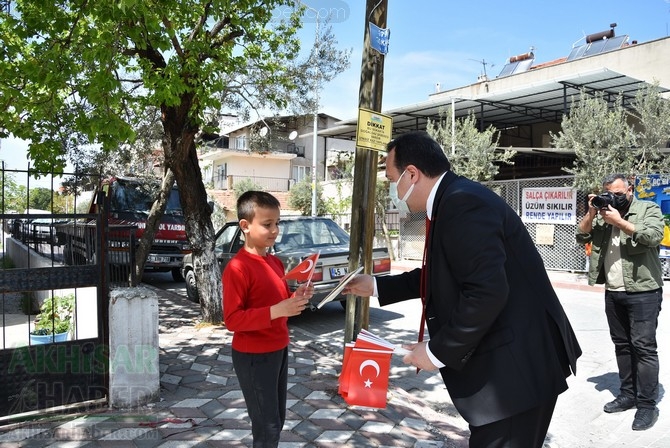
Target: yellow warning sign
x=373 y=130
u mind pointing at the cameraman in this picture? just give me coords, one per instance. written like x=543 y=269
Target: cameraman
x=625 y=233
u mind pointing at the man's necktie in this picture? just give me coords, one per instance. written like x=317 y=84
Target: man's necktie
x=422 y=286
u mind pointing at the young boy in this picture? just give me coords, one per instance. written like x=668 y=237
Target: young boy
x=256 y=304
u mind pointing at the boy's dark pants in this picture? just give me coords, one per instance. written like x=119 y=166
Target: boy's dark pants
x=263 y=378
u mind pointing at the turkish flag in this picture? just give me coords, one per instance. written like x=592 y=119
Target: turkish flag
x=343 y=383
x=365 y=377
x=303 y=272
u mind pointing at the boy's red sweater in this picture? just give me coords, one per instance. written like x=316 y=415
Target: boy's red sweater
x=251 y=285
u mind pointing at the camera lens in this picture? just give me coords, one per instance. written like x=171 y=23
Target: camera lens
x=603 y=200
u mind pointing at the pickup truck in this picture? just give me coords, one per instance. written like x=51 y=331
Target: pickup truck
x=131 y=199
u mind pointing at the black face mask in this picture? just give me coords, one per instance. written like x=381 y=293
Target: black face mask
x=621 y=202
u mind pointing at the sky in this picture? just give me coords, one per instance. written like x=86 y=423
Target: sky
x=447 y=41
x=452 y=42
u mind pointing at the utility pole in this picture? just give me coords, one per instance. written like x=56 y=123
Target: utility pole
x=365 y=172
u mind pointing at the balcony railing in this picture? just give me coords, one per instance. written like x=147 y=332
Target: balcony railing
x=264 y=183
x=240 y=145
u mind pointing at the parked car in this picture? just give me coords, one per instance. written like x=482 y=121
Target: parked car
x=299 y=237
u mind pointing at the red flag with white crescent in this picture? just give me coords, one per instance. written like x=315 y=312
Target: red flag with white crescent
x=366 y=378
x=303 y=272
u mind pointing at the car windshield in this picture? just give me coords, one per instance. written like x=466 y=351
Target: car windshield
x=139 y=197
x=294 y=234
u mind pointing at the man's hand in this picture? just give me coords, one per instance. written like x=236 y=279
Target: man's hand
x=611 y=216
x=418 y=357
x=361 y=285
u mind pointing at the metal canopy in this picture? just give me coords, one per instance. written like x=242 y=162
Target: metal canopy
x=526 y=105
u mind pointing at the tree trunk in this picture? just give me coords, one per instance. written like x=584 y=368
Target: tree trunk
x=153 y=222
x=181 y=157
x=389 y=244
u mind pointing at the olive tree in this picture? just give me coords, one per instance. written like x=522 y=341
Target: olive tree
x=472 y=153
x=609 y=138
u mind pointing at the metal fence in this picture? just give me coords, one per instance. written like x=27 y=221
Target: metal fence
x=563 y=253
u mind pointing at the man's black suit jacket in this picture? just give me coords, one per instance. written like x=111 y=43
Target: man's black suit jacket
x=493 y=317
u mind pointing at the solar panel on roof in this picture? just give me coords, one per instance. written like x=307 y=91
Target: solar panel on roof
x=508 y=69
x=518 y=66
x=524 y=65
x=577 y=52
x=615 y=43
x=597 y=47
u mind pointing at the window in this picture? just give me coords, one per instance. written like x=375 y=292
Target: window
x=223 y=242
x=301 y=172
x=241 y=142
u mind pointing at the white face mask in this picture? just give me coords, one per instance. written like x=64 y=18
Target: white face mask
x=401 y=204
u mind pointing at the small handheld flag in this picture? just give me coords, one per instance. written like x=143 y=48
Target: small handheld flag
x=304 y=270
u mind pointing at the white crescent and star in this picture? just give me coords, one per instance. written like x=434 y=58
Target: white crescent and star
x=309 y=266
x=371 y=363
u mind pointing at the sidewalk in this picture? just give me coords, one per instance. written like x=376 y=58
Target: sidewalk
x=201 y=404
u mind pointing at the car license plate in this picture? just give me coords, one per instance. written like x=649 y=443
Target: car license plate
x=338 y=272
x=156 y=259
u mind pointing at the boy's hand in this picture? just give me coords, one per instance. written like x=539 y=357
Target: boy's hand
x=305 y=290
x=295 y=304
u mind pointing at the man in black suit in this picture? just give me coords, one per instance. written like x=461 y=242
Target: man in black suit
x=498 y=333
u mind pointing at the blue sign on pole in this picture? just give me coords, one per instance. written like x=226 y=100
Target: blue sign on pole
x=379 y=38
x=656 y=188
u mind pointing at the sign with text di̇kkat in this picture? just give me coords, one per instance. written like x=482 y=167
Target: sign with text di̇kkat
x=373 y=130
x=549 y=205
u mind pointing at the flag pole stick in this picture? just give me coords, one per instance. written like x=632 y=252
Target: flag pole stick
x=309 y=279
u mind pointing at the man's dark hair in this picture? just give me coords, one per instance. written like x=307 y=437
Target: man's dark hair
x=609 y=180
x=248 y=201
x=421 y=150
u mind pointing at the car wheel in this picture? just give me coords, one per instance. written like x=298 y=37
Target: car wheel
x=176 y=275
x=191 y=286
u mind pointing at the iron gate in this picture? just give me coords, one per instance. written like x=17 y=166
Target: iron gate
x=51 y=375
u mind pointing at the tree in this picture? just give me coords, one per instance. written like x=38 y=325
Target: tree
x=605 y=142
x=76 y=73
x=14 y=196
x=475 y=154
x=300 y=197
x=381 y=204
x=652 y=113
x=40 y=198
x=245 y=185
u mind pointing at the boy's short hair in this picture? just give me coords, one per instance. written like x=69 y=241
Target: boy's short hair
x=248 y=201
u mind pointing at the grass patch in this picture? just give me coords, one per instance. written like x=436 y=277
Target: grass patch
x=6 y=263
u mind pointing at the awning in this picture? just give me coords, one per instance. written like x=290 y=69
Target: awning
x=537 y=102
